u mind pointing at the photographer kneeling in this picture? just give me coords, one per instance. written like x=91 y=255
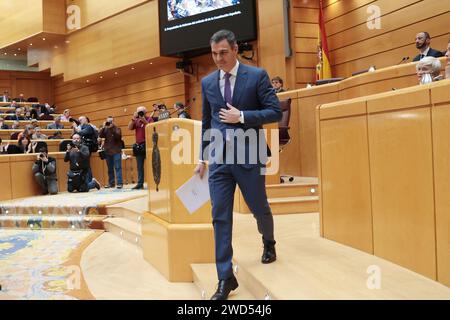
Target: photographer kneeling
x=44 y=170
x=78 y=154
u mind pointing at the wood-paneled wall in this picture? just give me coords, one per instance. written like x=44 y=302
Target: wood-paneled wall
x=121 y=96
x=31 y=84
x=19 y=20
x=355 y=47
x=305 y=14
x=94 y=11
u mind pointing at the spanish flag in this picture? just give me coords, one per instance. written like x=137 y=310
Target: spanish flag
x=323 y=68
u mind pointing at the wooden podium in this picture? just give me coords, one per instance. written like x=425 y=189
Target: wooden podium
x=172 y=238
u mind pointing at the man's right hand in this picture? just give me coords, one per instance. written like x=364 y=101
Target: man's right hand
x=200 y=169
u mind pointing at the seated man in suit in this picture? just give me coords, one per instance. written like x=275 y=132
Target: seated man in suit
x=5 y=97
x=17 y=115
x=56 y=124
x=3 y=125
x=38 y=135
x=277 y=84
x=21 y=98
x=423 y=41
x=428 y=70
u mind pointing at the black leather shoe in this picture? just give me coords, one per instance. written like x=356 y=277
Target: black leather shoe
x=269 y=254
x=138 y=187
x=224 y=288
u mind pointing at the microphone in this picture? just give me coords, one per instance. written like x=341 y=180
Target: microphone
x=403 y=60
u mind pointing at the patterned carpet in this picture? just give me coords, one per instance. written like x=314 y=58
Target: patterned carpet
x=43 y=265
x=72 y=201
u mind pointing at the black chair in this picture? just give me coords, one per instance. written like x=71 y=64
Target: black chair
x=283 y=127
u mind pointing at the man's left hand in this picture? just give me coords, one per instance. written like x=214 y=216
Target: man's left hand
x=230 y=115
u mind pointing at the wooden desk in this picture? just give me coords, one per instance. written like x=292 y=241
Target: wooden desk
x=300 y=156
x=52 y=144
x=384 y=176
x=42 y=123
x=22 y=104
x=6 y=134
x=18 y=180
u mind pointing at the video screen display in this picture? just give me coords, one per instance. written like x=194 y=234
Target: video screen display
x=188 y=8
x=187 y=25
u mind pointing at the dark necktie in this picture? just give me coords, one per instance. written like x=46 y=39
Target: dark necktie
x=227 y=92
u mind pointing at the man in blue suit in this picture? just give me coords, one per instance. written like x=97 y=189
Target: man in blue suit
x=237 y=100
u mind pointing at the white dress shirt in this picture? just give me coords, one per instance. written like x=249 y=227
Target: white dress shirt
x=424 y=54
x=233 y=77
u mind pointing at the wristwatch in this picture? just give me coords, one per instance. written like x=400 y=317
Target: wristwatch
x=241 y=118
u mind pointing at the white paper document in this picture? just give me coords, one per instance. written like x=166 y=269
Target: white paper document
x=194 y=193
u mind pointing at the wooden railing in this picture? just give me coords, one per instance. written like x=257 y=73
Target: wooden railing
x=385 y=177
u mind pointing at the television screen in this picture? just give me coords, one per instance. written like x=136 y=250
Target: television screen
x=187 y=25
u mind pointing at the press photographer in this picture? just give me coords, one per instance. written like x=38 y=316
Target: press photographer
x=87 y=132
x=138 y=123
x=44 y=170
x=163 y=112
x=112 y=148
x=78 y=176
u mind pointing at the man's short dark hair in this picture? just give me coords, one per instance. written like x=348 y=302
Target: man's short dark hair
x=427 y=35
x=223 y=35
x=277 y=79
x=43 y=150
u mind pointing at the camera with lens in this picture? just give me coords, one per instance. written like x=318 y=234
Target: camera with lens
x=141 y=114
x=107 y=123
x=71 y=144
x=41 y=155
x=74 y=120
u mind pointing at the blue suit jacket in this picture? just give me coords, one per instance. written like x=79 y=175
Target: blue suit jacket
x=253 y=94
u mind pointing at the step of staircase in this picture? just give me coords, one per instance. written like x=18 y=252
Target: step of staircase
x=48 y=210
x=285 y=190
x=205 y=278
x=256 y=288
x=124 y=213
x=290 y=205
x=42 y=221
x=125 y=229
